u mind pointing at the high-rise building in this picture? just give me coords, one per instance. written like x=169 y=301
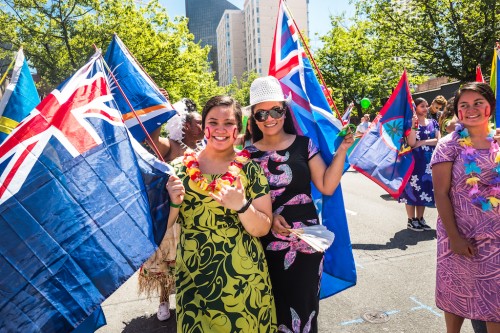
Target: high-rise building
x=254 y=47
x=231 y=46
x=204 y=16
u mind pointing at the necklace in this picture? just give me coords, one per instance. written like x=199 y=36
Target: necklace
x=193 y=170
x=469 y=154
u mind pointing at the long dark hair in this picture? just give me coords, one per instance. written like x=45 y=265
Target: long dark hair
x=481 y=88
x=287 y=125
x=419 y=101
x=224 y=101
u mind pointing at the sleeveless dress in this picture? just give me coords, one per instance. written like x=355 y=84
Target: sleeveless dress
x=295 y=268
x=419 y=190
x=222 y=280
x=469 y=287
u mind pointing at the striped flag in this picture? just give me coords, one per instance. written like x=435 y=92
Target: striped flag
x=494 y=83
x=20 y=97
x=313 y=118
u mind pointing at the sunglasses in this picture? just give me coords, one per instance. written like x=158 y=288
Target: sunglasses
x=262 y=115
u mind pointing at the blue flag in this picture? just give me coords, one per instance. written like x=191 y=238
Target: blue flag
x=77 y=209
x=149 y=104
x=19 y=98
x=382 y=154
x=314 y=119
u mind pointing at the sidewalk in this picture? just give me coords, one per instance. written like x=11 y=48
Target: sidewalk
x=128 y=312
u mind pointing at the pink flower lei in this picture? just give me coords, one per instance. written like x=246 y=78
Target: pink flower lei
x=490 y=200
x=193 y=170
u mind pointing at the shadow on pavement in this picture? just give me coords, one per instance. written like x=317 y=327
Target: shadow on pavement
x=401 y=240
x=387 y=197
x=151 y=324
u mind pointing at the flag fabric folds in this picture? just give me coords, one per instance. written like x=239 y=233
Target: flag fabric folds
x=147 y=101
x=313 y=118
x=495 y=83
x=381 y=154
x=75 y=209
x=19 y=98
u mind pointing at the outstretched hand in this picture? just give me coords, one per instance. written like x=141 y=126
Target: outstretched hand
x=231 y=197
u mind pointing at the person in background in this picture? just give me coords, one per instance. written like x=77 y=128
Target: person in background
x=436 y=108
x=466 y=176
x=419 y=192
x=222 y=279
x=447 y=120
x=363 y=126
x=290 y=162
x=157 y=274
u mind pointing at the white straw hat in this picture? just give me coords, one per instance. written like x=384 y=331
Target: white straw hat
x=266 y=89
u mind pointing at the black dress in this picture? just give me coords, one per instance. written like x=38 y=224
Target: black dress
x=295 y=268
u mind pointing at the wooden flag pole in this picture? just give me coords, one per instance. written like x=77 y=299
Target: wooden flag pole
x=313 y=61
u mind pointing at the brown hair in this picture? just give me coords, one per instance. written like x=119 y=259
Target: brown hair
x=440 y=100
x=222 y=100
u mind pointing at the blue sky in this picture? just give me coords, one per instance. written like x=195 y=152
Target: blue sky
x=319 y=13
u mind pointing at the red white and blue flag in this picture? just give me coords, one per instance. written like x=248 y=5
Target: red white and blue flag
x=72 y=192
x=382 y=154
x=313 y=118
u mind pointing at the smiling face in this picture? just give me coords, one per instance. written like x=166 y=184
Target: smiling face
x=473 y=109
x=271 y=125
x=221 y=127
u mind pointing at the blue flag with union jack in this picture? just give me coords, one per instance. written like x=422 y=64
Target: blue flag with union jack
x=150 y=106
x=19 y=98
x=382 y=154
x=313 y=118
x=80 y=209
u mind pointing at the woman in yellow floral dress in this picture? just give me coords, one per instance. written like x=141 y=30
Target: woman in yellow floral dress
x=223 y=204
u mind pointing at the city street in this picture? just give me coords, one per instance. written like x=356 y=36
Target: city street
x=396 y=275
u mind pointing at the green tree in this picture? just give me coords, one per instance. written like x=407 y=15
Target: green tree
x=240 y=89
x=58 y=37
x=445 y=37
x=357 y=63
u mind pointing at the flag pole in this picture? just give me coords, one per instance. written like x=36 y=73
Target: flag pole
x=148 y=137
x=313 y=61
x=8 y=69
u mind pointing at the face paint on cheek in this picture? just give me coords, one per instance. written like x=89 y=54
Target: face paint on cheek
x=235 y=133
x=487 y=112
x=207 y=133
x=460 y=115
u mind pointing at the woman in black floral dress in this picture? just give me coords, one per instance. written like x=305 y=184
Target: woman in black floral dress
x=290 y=163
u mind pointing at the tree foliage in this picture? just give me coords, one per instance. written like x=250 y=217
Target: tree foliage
x=58 y=38
x=357 y=63
x=240 y=89
x=445 y=37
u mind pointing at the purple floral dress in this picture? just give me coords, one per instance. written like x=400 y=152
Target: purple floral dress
x=419 y=190
x=469 y=288
x=295 y=268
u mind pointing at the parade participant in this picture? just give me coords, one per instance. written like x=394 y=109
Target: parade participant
x=466 y=176
x=222 y=279
x=184 y=131
x=437 y=106
x=157 y=274
x=290 y=162
x=418 y=192
x=363 y=126
x=448 y=120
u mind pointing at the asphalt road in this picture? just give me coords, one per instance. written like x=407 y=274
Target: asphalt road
x=396 y=275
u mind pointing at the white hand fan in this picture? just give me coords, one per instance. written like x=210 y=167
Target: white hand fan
x=317 y=236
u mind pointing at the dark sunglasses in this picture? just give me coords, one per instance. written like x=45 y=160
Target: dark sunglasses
x=262 y=115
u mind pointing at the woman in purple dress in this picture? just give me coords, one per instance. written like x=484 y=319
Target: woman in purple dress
x=466 y=176
x=290 y=162
x=418 y=192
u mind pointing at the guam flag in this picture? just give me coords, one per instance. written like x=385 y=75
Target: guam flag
x=381 y=153
x=313 y=118
x=19 y=98
x=149 y=104
x=76 y=209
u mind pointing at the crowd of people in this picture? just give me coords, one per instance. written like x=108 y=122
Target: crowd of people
x=239 y=266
